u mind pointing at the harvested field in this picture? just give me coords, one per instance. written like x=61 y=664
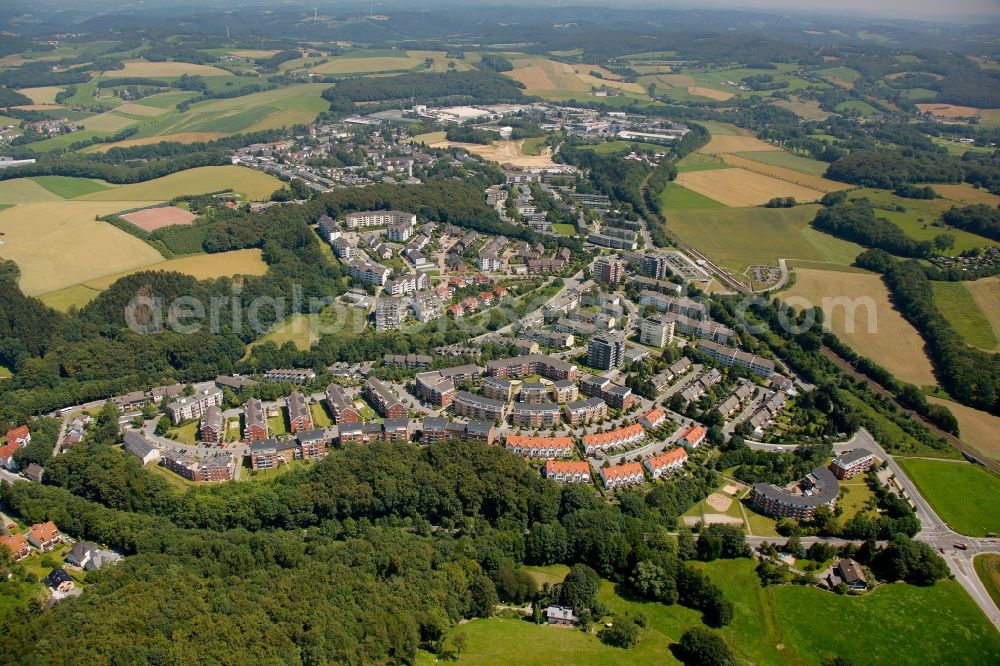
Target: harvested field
x=805 y=109
x=949 y=110
x=710 y=93
x=788 y=161
x=719 y=502
x=59 y=244
x=504 y=152
x=781 y=173
x=735 y=143
x=676 y=80
x=979 y=429
x=135 y=109
x=183 y=137
x=43 y=95
x=107 y=122
x=40 y=107
x=548 y=76
x=248 y=182
x=738 y=187
x=857 y=308
x=155 y=69
x=967 y=194
x=151 y=219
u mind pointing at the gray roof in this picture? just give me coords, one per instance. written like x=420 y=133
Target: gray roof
x=435 y=423
x=479 y=427
x=311 y=435
x=852 y=457
x=824 y=490
x=138 y=445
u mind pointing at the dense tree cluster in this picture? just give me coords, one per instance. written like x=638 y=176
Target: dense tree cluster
x=977 y=219
x=856 y=221
x=421 y=88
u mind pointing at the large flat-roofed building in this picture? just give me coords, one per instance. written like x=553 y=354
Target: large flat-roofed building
x=681 y=305
x=606 y=351
x=549 y=367
x=194 y=406
x=531 y=415
x=567 y=471
x=255 y=427
x=582 y=412
x=729 y=356
x=479 y=407
x=818 y=489
x=384 y=399
x=540 y=447
x=211 y=428
x=389 y=313
x=299 y=415
x=852 y=463
x=340 y=405
x=657 y=330
x=379 y=218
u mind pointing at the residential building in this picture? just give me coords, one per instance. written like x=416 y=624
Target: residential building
x=582 y=412
x=211 y=469
x=435 y=388
x=549 y=367
x=383 y=399
x=44 y=536
x=299 y=415
x=618 y=476
x=618 y=397
x=378 y=218
x=140 y=447
x=368 y=273
x=666 y=462
x=212 y=426
x=818 y=489
x=534 y=393
x=549 y=339
x=498 y=388
x=693 y=436
x=366 y=433
x=255 y=426
x=20 y=436
x=59 y=581
x=565 y=391
x=675 y=304
x=34 y=472
x=852 y=463
x=657 y=330
x=340 y=405
x=90 y=557
x=852 y=574
x=235 y=383
x=654 y=418
x=540 y=447
x=535 y=415
x=614 y=439
x=729 y=356
x=300 y=376
x=270 y=453
x=399 y=232
x=312 y=444
x=561 y=616
x=728 y=406
x=567 y=471
x=606 y=351
x=130 y=401
x=17 y=544
x=407 y=360
x=158 y=393
x=609 y=269
x=479 y=407
x=194 y=406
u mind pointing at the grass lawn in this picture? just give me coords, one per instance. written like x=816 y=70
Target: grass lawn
x=963 y=494
x=68 y=187
x=678 y=196
x=863 y=109
x=552 y=574
x=534 y=145
x=186 y=433
x=738 y=237
x=278 y=425
x=988 y=569
x=958 y=307
x=759 y=524
x=174 y=479
x=364 y=410
x=699 y=162
x=564 y=229
x=787 y=160
x=302 y=330
x=854 y=500
x=321 y=417
x=267 y=474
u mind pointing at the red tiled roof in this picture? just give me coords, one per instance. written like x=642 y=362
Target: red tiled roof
x=18 y=433
x=44 y=531
x=613 y=436
x=8 y=449
x=654 y=415
x=14 y=542
x=621 y=471
x=567 y=467
x=668 y=458
x=546 y=442
x=693 y=433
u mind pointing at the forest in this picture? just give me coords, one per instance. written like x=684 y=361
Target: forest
x=421 y=88
x=855 y=220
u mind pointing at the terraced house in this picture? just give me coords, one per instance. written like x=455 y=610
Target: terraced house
x=567 y=471
x=540 y=447
x=614 y=439
x=629 y=474
x=665 y=463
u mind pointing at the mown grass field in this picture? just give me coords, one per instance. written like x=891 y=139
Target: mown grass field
x=738 y=237
x=781 y=625
x=978 y=428
x=564 y=229
x=678 y=196
x=857 y=308
x=788 y=161
x=986 y=293
x=59 y=244
x=250 y=183
x=168 y=69
x=963 y=495
x=988 y=568
x=699 y=162
x=25 y=191
x=955 y=302
x=303 y=330
x=69 y=187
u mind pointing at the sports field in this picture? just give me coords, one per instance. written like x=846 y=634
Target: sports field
x=738 y=237
x=956 y=303
x=59 y=244
x=962 y=494
x=739 y=187
x=250 y=183
x=856 y=307
x=979 y=429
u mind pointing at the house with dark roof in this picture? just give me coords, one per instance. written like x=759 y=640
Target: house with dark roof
x=140 y=447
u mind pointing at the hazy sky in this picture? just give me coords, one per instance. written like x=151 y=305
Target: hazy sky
x=917 y=9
